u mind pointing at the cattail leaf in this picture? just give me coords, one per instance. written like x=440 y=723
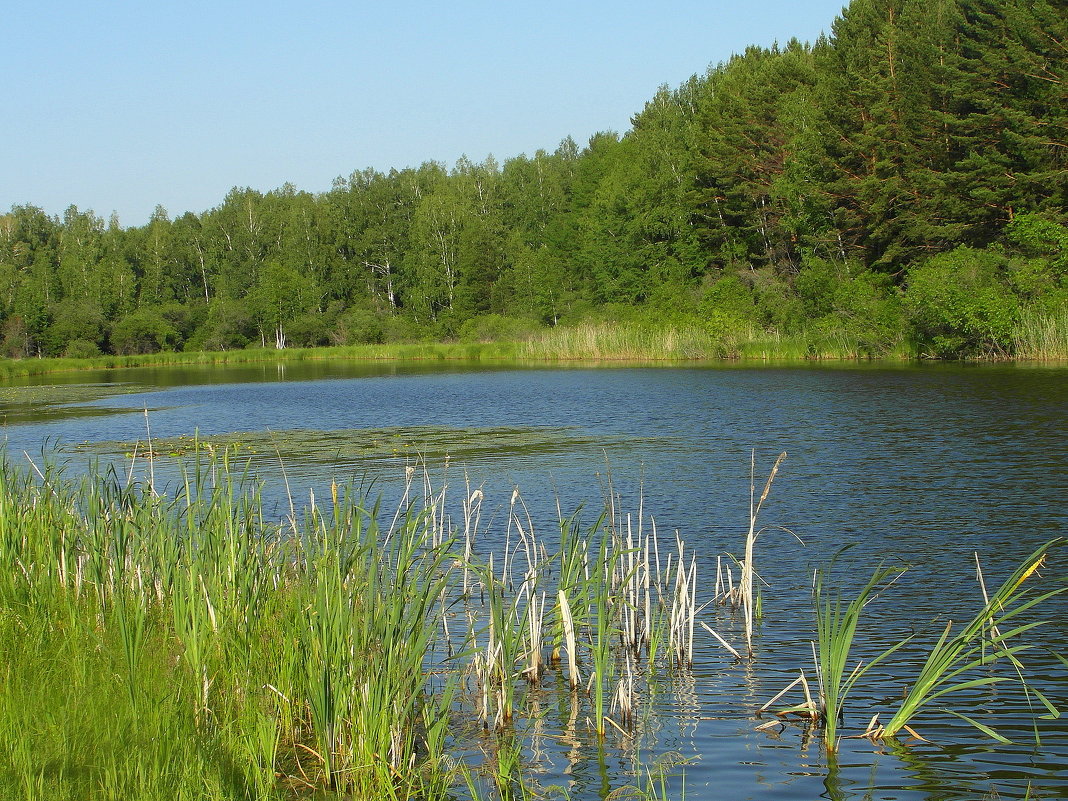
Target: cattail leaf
x=989 y=732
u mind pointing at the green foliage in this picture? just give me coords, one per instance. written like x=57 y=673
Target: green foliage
x=359 y=326
x=226 y=326
x=959 y=303
x=1036 y=235
x=850 y=301
x=74 y=320
x=836 y=627
x=80 y=349
x=825 y=177
x=496 y=328
x=729 y=308
x=144 y=331
x=985 y=640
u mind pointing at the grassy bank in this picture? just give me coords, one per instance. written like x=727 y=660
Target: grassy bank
x=503 y=351
x=1036 y=337
x=591 y=342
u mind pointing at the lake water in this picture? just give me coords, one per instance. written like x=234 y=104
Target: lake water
x=923 y=465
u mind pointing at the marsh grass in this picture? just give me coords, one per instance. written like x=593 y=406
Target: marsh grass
x=623 y=342
x=631 y=341
x=836 y=628
x=1042 y=336
x=325 y=652
x=265 y=652
x=426 y=351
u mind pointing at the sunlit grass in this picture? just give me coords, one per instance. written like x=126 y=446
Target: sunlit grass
x=1042 y=337
x=593 y=342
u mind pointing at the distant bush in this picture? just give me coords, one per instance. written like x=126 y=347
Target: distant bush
x=729 y=306
x=81 y=349
x=358 y=326
x=497 y=328
x=227 y=326
x=960 y=304
x=144 y=331
x=845 y=300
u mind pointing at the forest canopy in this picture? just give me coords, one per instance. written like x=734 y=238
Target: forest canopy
x=902 y=180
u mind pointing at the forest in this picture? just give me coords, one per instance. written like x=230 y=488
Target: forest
x=901 y=183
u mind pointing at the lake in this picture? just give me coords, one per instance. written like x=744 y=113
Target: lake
x=917 y=465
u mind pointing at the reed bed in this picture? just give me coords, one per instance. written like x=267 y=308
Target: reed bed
x=624 y=342
x=226 y=655
x=187 y=646
x=1042 y=336
x=424 y=351
x=984 y=652
x=1037 y=337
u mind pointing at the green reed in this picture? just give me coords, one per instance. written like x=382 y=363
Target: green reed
x=1042 y=336
x=983 y=641
x=960 y=660
x=272 y=659
x=836 y=628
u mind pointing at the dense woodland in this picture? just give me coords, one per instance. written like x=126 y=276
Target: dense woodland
x=902 y=180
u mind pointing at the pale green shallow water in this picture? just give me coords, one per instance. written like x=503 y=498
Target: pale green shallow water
x=922 y=464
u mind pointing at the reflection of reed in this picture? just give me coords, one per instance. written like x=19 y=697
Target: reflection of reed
x=840 y=788
x=539 y=755
x=569 y=735
x=688 y=702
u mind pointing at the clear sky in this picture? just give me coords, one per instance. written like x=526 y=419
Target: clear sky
x=119 y=106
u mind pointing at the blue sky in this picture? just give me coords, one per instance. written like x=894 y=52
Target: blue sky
x=118 y=106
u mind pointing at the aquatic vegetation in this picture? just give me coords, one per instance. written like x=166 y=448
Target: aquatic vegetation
x=367 y=445
x=957 y=661
x=35 y=403
x=1042 y=336
x=985 y=640
x=315 y=651
x=836 y=628
x=348 y=649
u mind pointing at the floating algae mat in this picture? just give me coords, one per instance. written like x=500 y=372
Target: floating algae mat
x=50 y=402
x=347 y=446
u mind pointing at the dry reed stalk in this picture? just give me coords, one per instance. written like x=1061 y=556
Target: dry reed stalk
x=807 y=709
x=692 y=608
x=717 y=593
x=569 y=640
x=683 y=610
x=472 y=517
x=746 y=580
x=531 y=582
x=535 y=618
x=647 y=631
x=624 y=696
x=721 y=641
x=808 y=697
x=732 y=595
x=780 y=694
x=986 y=598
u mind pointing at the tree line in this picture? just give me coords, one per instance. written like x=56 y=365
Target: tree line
x=903 y=178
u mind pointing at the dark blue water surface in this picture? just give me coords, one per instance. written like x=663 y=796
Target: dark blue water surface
x=925 y=466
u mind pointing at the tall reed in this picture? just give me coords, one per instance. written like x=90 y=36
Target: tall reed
x=1042 y=336
x=748 y=571
x=836 y=627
